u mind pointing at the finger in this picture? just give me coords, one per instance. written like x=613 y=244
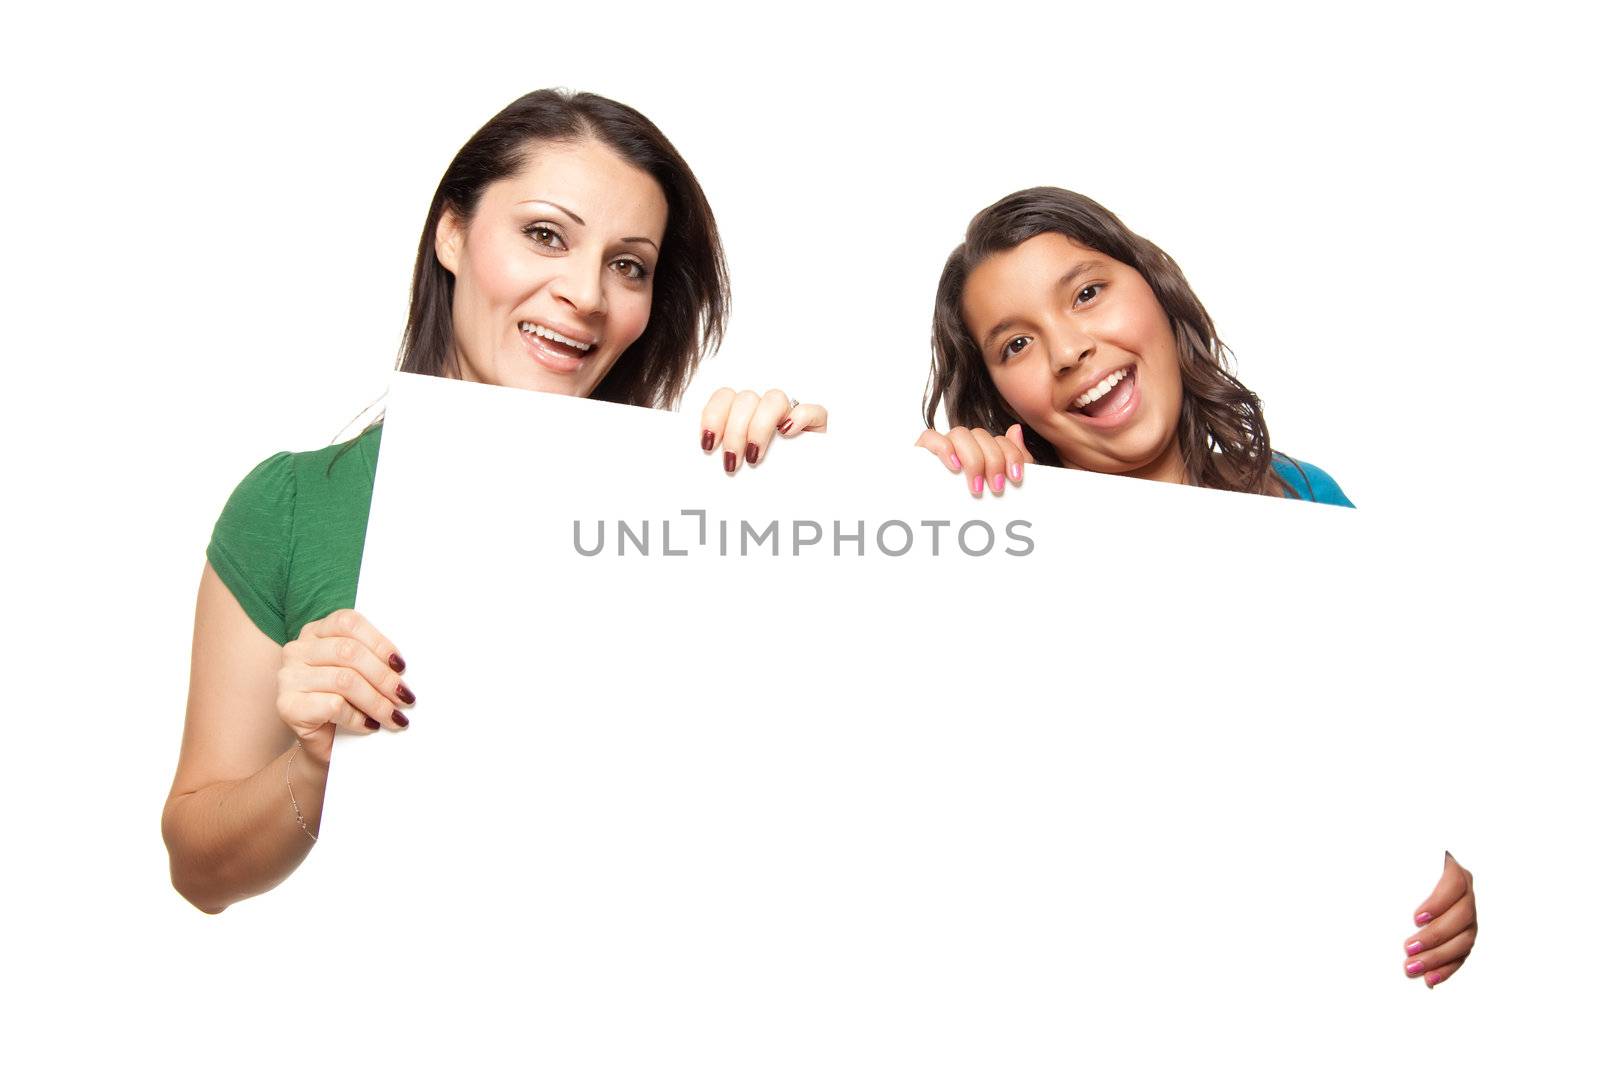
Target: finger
x=713 y=417
x=735 y=431
x=1452 y=951
x=355 y=690
x=1012 y=459
x=1014 y=435
x=1453 y=883
x=1439 y=974
x=940 y=445
x=348 y=622
x=772 y=409
x=972 y=459
x=348 y=652
x=1456 y=918
x=804 y=418
x=994 y=461
x=309 y=712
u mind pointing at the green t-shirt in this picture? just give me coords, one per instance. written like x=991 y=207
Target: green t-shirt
x=288 y=543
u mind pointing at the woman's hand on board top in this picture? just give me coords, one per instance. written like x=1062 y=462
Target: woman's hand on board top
x=1449 y=927
x=741 y=425
x=341 y=671
x=980 y=457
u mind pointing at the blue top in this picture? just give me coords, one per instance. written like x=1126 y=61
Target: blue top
x=1306 y=482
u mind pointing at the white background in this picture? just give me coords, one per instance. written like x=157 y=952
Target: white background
x=213 y=214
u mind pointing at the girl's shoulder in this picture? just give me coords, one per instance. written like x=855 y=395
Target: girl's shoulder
x=1308 y=482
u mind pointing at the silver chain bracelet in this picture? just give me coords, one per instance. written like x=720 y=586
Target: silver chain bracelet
x=299 y=818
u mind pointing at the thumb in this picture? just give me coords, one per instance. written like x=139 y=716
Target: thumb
x=1015 y=436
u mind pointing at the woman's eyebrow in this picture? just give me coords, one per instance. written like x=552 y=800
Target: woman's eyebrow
x=573 y=215
x=551 y=203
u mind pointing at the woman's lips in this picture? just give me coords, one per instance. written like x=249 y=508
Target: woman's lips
x=553 y=355
x=1115 y=408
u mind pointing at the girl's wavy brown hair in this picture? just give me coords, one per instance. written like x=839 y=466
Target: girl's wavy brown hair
x=1221 y=430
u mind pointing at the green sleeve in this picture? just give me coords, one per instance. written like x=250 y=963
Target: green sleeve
x=251 y=543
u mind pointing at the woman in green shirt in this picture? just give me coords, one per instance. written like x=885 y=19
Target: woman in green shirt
x=569 y=249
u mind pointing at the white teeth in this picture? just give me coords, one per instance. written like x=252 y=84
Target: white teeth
x=540 y=331
x=1105 y=385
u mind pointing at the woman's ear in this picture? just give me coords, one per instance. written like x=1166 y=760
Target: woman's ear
x=447 y=239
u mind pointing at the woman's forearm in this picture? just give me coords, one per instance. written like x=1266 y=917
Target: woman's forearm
x=231 y=840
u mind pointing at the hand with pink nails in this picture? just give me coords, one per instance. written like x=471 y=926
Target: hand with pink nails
x=982 y=459
x=1449 y=926
x=741 y=425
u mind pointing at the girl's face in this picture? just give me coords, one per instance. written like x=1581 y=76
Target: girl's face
x=553 y=273
x=1081 y=350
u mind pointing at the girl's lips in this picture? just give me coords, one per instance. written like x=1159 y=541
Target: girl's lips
x=553 y=355
x=1115 y=408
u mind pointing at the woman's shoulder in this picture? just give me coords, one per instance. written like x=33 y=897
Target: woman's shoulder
x=1309 y=482
x=305 y=508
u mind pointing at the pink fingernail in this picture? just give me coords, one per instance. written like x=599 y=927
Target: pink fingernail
x=1414 y=967
x=1430 y=980
x=1016 y=472
x=954 y=461
x=997 y=484
x=977 y=485
x=1423 y=918
x=1413 y=948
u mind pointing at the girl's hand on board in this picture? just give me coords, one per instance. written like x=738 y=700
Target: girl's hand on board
x=984 y=459
x=1449 y=922
x=741 y=424
x=341 y=671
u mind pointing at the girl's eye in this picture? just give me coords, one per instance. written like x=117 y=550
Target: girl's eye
x=1088 y=293
x=544 y=235
x=1012 y=347
x=631 y=269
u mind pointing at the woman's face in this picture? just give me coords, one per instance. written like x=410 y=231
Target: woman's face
x=554 y=271
x=1081 y=350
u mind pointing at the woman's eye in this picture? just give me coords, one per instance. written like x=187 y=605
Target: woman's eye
x=544 y=235
x=1088 y=293
x=631 y=269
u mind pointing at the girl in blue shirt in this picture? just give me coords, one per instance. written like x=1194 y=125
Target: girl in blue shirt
x=1061 y=337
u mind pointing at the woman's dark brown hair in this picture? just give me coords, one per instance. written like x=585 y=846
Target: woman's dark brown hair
x=689 y=307
x=1221 y=430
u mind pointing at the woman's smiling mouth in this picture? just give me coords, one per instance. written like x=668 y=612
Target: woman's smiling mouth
x=1110 y=402
x=555 y=350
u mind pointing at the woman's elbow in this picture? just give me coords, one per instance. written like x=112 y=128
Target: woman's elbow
x=199 y=891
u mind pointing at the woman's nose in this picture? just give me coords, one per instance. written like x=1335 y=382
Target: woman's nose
x=580 y=286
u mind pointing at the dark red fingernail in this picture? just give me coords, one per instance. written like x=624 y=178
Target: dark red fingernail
x=396 y=663
x=400 y=719
x=750 y=451
x=729 y=461
x=783 y=427
x=405 y=694
x=372 y=724
x=707 y=439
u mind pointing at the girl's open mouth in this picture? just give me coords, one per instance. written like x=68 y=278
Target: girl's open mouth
x=1109 y=402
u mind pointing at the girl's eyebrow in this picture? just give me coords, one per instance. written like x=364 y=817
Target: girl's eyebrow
x=1076 y=271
